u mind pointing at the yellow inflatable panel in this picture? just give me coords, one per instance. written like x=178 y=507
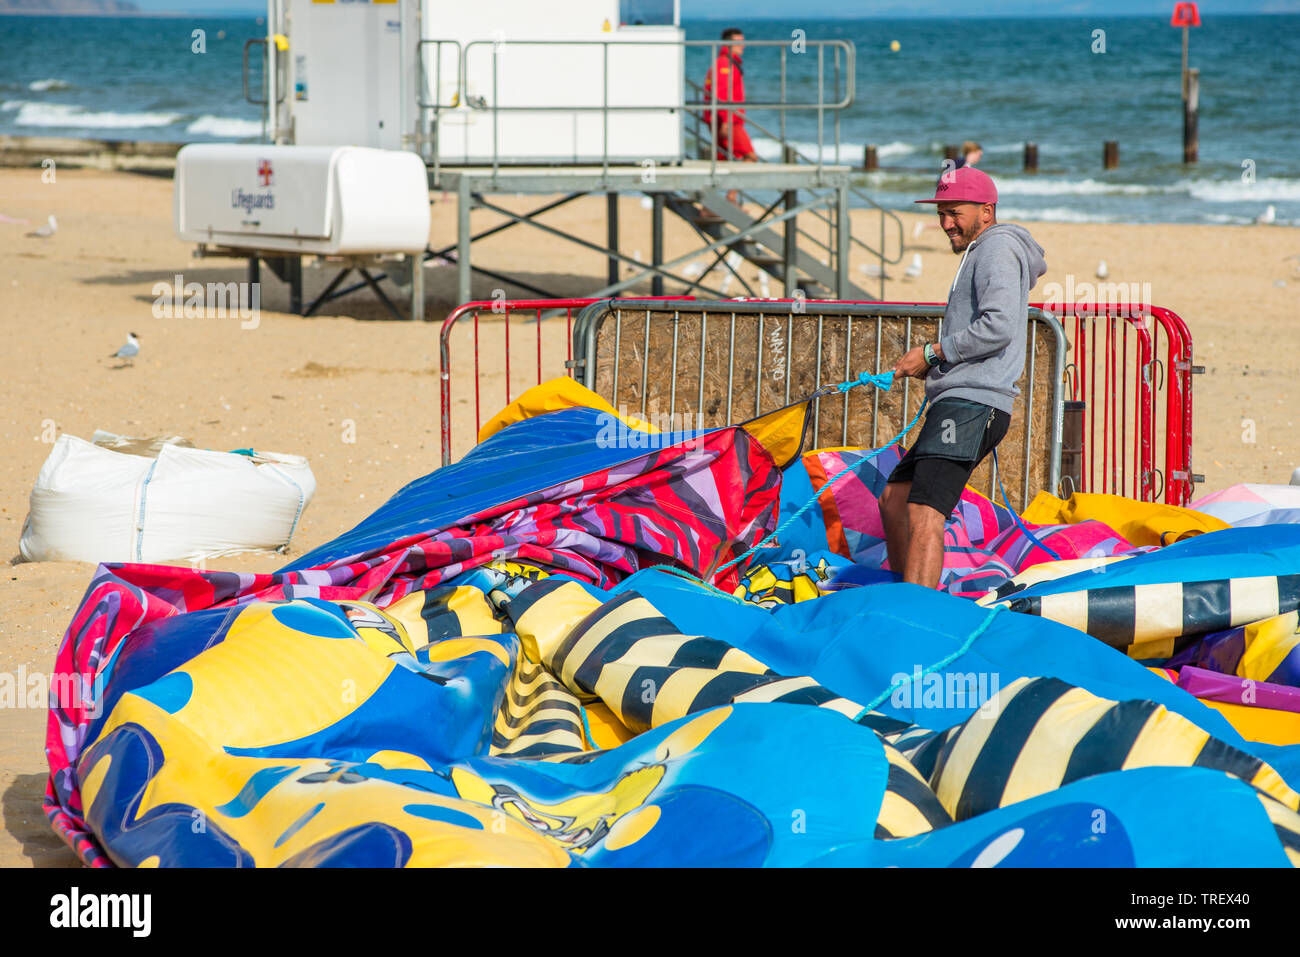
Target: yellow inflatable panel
x=1260 y=724
x=1142 y=523
x=561 y=393
x=780 y=432
x=1265 y=725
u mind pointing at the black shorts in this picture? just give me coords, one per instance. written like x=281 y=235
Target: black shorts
x=956 y=436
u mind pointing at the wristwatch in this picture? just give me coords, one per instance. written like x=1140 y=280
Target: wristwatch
x=930 y=358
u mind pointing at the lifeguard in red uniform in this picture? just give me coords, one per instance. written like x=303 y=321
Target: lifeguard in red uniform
x=729 y=125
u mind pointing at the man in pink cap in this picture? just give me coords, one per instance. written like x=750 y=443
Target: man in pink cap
x=970 y=373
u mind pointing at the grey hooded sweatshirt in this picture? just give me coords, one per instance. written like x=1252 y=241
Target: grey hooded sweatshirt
x=985 y=325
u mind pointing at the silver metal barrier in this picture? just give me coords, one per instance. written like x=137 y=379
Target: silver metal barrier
x=730 y=361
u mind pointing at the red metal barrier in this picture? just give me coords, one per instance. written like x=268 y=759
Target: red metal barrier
x=528 y=311
x=1145 y=349
x=506 y=309
x=1116 y=347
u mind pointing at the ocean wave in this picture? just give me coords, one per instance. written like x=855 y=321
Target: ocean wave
x=1269 y=189
x=896 y=148
x=1224 y=219
x=1044 y=148
x=68 y=115
x=1227 y=219
x=850 y=153
x=41 y=86
x=770 y=150
x=225 y=126
x=1074 y=187
x=1054 y=214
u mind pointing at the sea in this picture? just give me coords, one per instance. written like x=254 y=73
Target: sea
x=1068 y=84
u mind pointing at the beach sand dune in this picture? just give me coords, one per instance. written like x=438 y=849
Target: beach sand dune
x=307 y=386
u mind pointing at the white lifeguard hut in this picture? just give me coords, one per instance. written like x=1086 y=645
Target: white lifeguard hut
x=545 y=97
x=524 y=81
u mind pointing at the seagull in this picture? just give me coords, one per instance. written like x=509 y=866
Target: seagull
x=1102 y=270
x=1266 y=218
x=49 y=229
x=130 y=350
x=914 y=270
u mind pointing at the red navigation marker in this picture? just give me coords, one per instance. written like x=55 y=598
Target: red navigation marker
x=1185 y=15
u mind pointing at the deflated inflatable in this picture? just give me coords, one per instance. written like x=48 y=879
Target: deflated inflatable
x=491 y=669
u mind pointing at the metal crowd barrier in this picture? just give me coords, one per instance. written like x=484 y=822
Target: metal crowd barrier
x=501 y=316
x=1116 y=418
x=491 y=322
x=728 y=361
x=1129 y=411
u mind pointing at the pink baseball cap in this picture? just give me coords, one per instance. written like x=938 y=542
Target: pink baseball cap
x=965 y=184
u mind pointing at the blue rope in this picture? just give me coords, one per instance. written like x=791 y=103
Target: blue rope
x=586 y=728
x=1005 y=501
x=883 y=381
x=696 y=581
x=931 y=669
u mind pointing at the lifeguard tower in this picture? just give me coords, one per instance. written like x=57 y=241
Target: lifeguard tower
x=563 y=99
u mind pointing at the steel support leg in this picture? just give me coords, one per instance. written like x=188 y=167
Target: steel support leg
x=790 y=249
x=843 y=230
x=611 y=222
x=329 y=290
x=656 y=243
x=293 y=269
x=417 y=287
x=463 y=289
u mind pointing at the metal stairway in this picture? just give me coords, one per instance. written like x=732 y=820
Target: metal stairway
x=717 y=218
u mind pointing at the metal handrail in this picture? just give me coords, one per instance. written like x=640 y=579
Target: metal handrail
x=436 y=105
x=794 y=152
x=844 y=103
x=247 y=94
x=605 y=108
x=826 y=219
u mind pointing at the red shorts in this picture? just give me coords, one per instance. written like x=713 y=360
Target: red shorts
x=739 y=148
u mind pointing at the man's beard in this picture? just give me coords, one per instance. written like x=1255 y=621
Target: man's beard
x=966 y=237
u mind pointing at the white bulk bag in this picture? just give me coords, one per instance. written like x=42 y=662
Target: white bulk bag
x=92 y=504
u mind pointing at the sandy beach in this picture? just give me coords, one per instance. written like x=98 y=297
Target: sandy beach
x=299 y=385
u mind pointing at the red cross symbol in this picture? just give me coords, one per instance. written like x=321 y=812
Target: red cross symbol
x=264 y=172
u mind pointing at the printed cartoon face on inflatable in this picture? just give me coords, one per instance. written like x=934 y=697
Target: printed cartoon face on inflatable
x=577 y=822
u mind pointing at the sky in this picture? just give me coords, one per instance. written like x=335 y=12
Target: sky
x=710 y=9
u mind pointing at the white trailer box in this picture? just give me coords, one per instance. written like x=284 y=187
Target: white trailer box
x=304 y=199
x=481 y=82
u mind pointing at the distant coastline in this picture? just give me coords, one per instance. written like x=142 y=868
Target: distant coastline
x=123 y=10
x=98 y=8
x=127 y=8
